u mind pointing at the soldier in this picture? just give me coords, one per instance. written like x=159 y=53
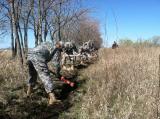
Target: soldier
x=37 y=59
x=56 y=60
x=70 y=48
x=115 y=45
x=88 y=47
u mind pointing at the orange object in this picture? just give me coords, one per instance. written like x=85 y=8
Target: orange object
x=67 y=81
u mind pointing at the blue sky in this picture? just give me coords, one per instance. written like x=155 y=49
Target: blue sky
x=135 y=19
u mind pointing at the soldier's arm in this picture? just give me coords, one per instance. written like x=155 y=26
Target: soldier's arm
x=51 y=68
x=53 y=53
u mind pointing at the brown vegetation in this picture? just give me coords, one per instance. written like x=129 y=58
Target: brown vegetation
x=13 y=100
x=122 y=84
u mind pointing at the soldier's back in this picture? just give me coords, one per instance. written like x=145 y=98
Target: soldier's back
x=40 y=53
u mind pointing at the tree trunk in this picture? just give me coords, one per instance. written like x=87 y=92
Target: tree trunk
x=12 y=39
x=35 y=26
x=15 y=49
x=45 y=27
x=15 y=26
x=21 y=40
x=36 y=33
x=59 y=23
x=26 y=38
x=26 y=31
x=40 y=22
x=59 y=32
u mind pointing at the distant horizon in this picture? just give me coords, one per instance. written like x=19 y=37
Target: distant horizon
x=103 y=45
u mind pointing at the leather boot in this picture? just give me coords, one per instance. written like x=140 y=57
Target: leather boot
x=52 y=99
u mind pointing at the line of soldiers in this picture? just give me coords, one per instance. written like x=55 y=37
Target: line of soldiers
x=39 y=56
x=83 y=53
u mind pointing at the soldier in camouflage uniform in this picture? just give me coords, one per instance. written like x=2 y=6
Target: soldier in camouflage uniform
x=85 y=50
x=56 y=60
x=70 y=48
x=37 y=59
x=88 y=46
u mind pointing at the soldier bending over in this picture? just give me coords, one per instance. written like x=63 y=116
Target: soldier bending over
x=37 y=60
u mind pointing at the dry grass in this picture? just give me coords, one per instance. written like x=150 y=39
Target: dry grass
x=122 y=85
x=11 y=75
x=13 y=101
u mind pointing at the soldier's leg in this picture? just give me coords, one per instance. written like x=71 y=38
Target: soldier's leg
x=57 y=70
x=32 y=77
x=44 y=75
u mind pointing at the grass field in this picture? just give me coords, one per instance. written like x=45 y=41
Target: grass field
x=122 y=84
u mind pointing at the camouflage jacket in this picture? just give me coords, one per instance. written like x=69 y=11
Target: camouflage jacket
x=56 y=56
x=70 y=48
x=42 y=53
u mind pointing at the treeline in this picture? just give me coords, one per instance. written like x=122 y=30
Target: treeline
x=154 y=41
x=56 y=20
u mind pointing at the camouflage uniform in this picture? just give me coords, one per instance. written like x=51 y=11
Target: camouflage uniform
x=37 y=62
x=56 y=60
x=88 y=46
x=70 y=48
x=86 y=49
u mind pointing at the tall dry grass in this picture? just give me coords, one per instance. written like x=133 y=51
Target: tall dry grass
x=12 y=76
x=122 y=85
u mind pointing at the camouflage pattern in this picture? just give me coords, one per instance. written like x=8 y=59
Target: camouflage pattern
x=70 y=48
x=88 y=46
x=86 y=50
x=56 y=61
x=40 y=69
x=37 y=64
x=41 y=52
x=39 y=56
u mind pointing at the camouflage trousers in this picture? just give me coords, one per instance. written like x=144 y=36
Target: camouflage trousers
x=40 y=69
x=57 y=70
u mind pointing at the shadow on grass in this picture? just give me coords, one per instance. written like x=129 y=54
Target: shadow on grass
x=36 y=107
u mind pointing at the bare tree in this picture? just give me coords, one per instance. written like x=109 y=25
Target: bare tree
x=83 y=30
x=57 y=19
x=15 y=20
x=12 y=13
x=6 y=12
x=25 y=16
x=64 y=12
x=39 y=19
